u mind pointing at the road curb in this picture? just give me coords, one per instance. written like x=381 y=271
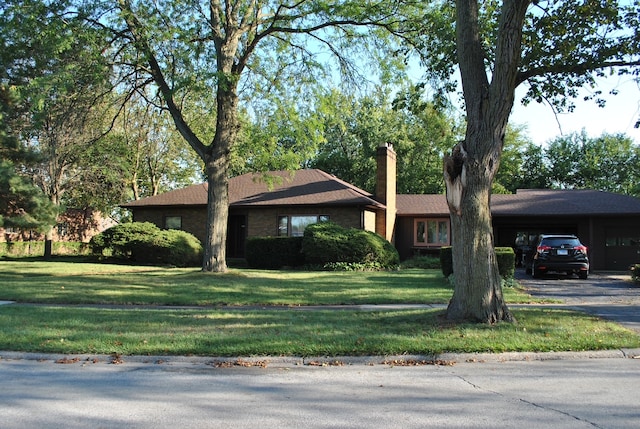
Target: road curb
x=321 y=361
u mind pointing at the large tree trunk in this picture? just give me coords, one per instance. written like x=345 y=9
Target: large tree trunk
x=217 y=168
x=472 y=165
x=217 y=215
x=478 y=291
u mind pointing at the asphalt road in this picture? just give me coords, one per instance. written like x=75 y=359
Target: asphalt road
x=566 y=393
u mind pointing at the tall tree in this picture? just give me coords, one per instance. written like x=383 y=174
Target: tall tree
x=228 y=46
x=54 y=63
x=607 y=163
x=22 y=204
x=353 y=126
x=555 y=47
x=512 y=175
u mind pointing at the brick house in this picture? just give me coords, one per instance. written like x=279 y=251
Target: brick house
x=609 y=224
x=73 y=225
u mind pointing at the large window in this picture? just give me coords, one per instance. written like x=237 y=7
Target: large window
x=431 y=232
x=295 y=225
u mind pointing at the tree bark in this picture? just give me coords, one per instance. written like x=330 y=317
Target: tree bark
x=473 y=163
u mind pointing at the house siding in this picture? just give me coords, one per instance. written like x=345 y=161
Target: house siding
x=194 y=219
x=261 y=222
x=264 y=222
x=370 y=220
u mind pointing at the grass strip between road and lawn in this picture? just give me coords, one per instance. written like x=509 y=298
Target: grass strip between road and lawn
x=220 y=331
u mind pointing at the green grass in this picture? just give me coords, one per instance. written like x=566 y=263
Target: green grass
x=293 y=331
x=86 y=283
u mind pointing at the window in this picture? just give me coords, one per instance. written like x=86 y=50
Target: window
x=295 y=225
x=431 y=232
x=622 y=241
x=173 y=222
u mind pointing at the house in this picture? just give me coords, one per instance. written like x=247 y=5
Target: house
x=73 y=225
x=609 y=224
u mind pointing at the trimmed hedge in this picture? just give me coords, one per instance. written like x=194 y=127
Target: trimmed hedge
x=144 y=242
x=272 y=253
x=328 y=243
x=505 y=257
x=446 y=260
x=36 y=248
x=325 y=245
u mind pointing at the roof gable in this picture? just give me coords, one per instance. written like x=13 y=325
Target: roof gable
x=301 y=187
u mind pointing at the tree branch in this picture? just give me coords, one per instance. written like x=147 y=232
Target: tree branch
x=571 y=69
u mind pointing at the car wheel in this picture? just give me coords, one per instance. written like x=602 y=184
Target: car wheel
x=583 y=274
x=536 y=272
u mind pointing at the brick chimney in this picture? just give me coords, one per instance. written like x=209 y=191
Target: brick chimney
x=386 y=189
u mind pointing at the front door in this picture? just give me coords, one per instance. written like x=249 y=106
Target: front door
x=236 y=236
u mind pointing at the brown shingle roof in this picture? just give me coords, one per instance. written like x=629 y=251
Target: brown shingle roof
x=421 y=204
x=194 y=195
x=301 y=187
x=315 y=187
x=564 y=202
x=532 y=202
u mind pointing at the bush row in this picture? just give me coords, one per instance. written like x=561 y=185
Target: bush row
x=325 y=245
x=145 y=243
x=36 y=248
x=505 y=256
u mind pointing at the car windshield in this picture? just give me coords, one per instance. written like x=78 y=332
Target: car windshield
x=560 y=242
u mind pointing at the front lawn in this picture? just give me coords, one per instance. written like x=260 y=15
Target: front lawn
x=262 y=330
x=87 y=283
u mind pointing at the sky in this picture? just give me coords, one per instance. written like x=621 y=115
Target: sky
x=618 y=116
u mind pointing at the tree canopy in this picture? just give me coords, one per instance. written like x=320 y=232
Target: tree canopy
x=553 y=47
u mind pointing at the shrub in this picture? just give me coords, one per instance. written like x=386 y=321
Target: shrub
x=505 y=257
x=273 y=253
x=327 y=243
x=118 y=239
x=36 y=248
x=147 y=244
x=422 y=261
x=446 y=260
x=184 y=249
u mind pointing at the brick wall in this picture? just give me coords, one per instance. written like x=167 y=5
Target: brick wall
x=264 y=222
x=260 y=222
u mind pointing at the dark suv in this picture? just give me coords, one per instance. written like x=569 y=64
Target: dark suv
x=560 y=253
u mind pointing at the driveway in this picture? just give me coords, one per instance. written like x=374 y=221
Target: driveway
x=610 y=296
